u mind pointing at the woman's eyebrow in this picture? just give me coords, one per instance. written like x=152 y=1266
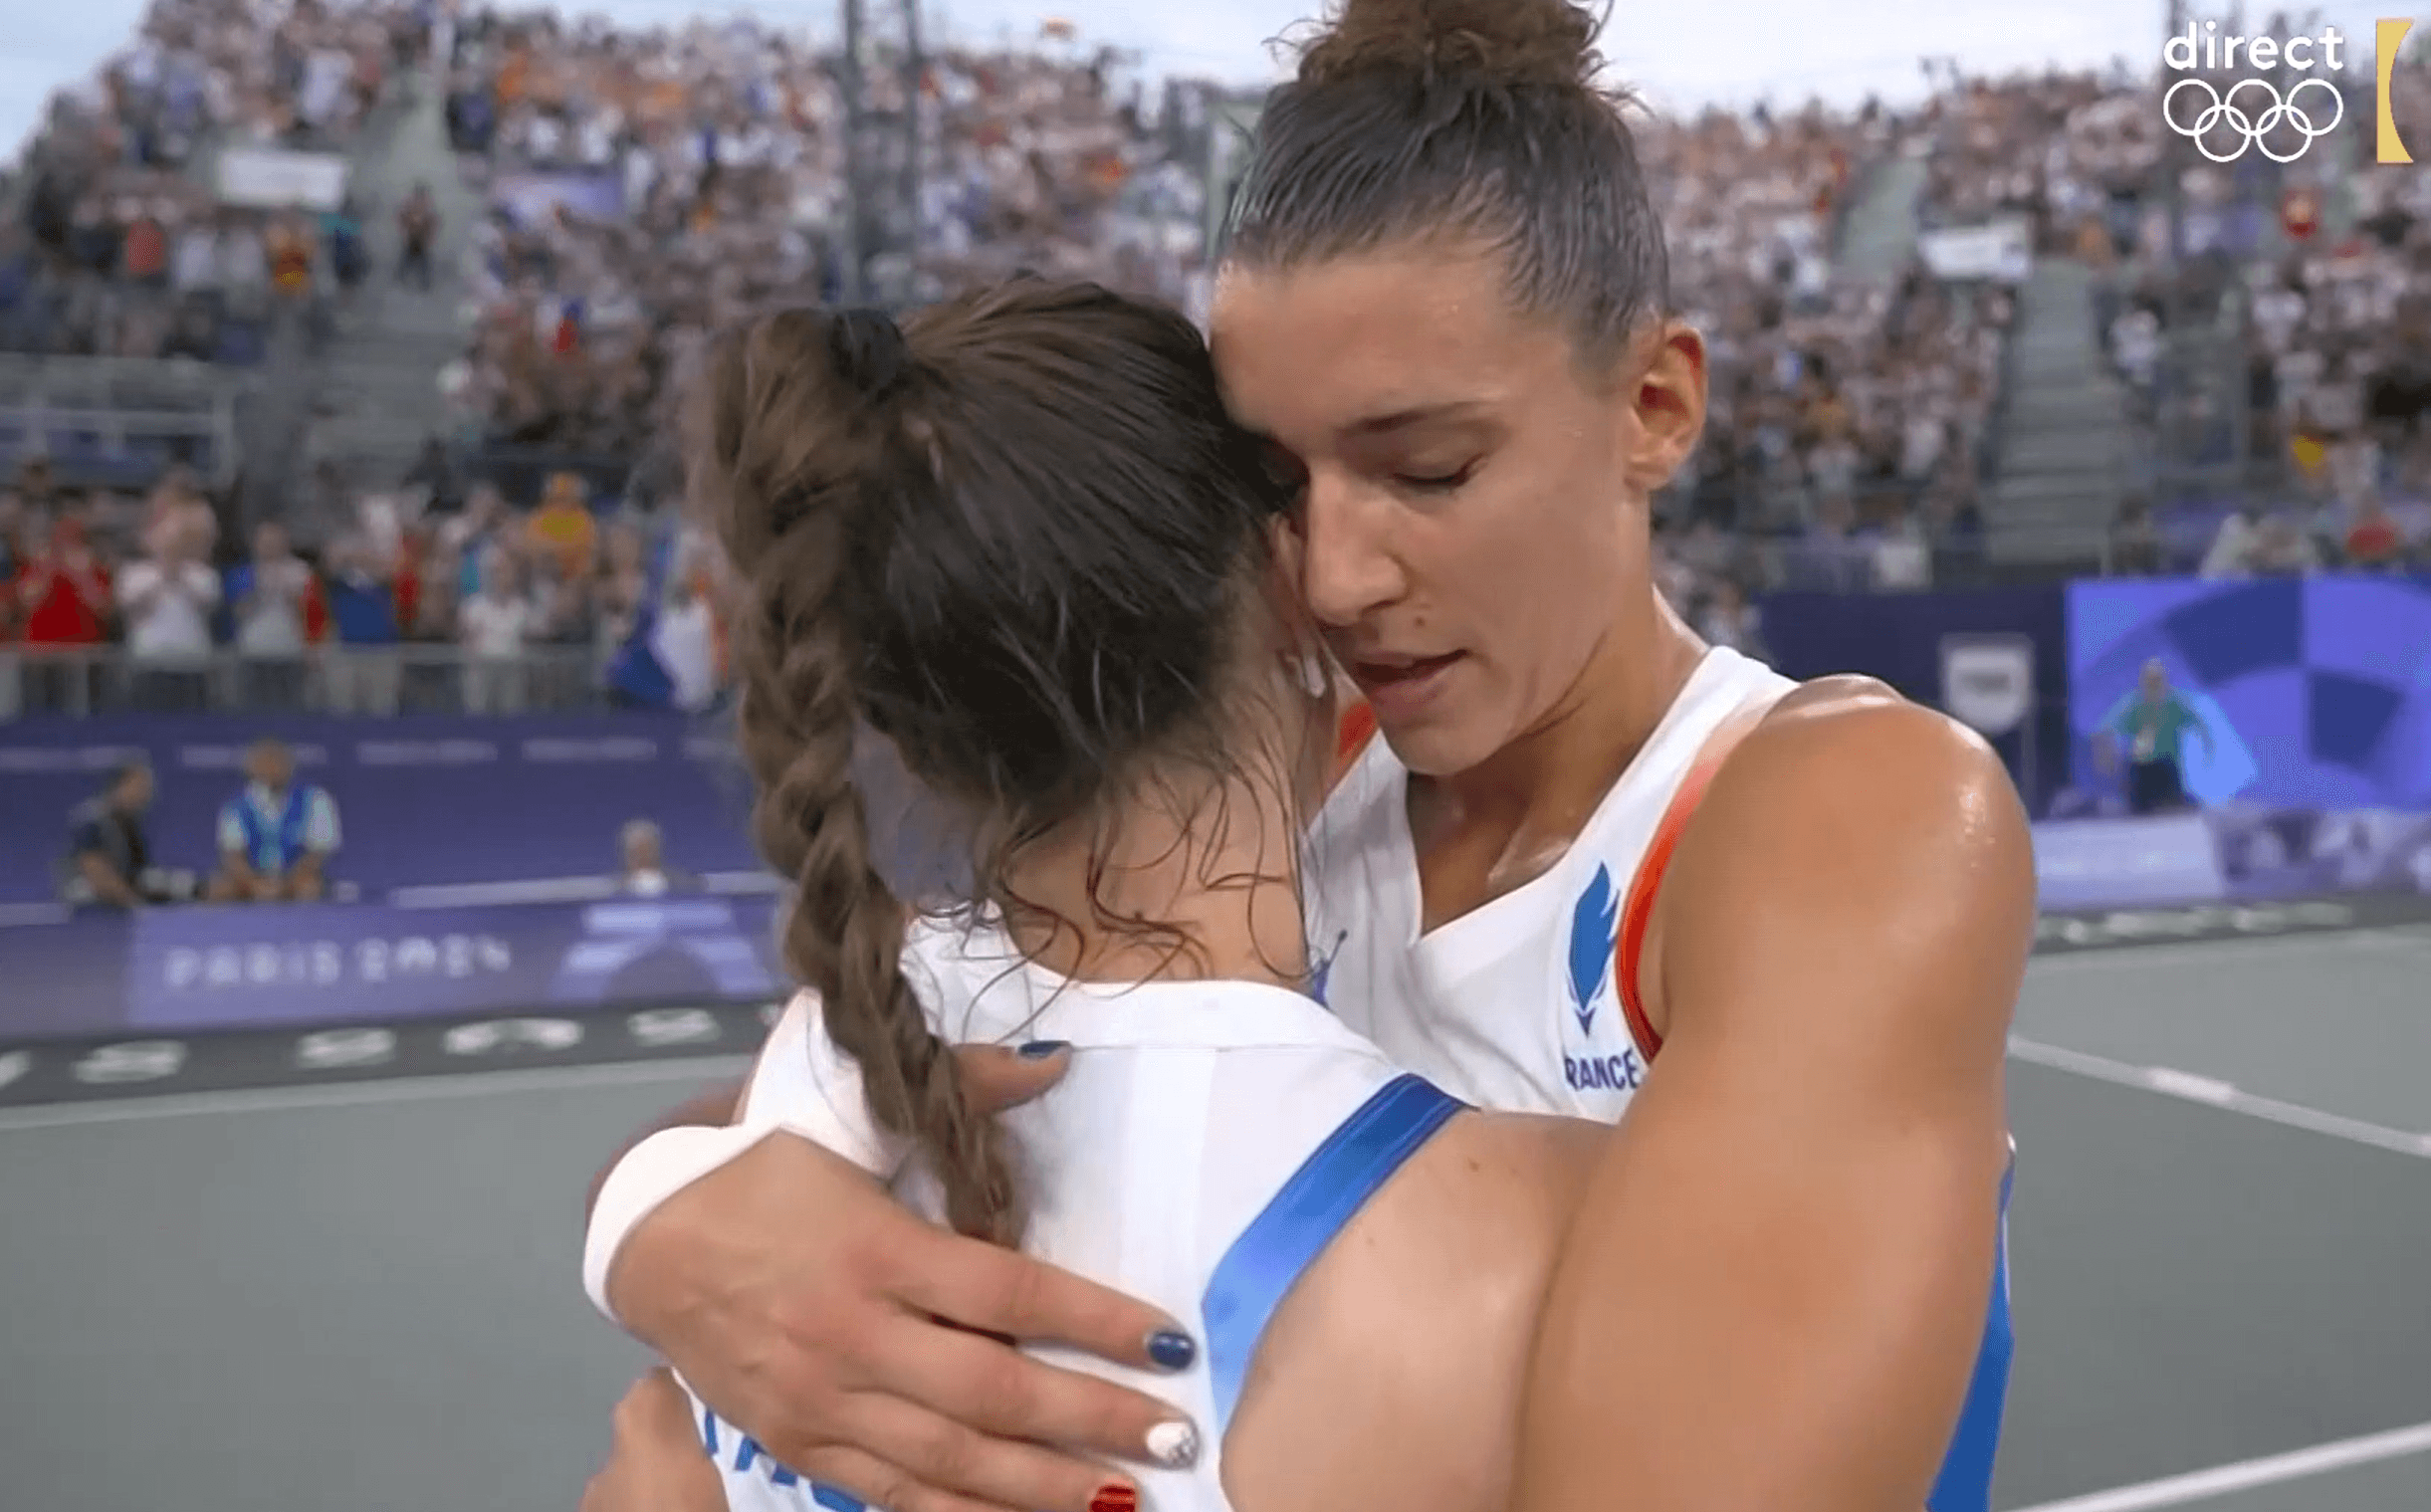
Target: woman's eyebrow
x=1405 y=419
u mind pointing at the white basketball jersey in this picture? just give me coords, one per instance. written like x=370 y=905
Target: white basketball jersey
x=1514 y=1006
x=1206 y=1143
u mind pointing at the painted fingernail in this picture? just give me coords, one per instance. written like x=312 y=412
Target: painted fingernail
x=1172 y=1350
x=1115 y=1499
x=1042 y=1049
x=1173 y=1444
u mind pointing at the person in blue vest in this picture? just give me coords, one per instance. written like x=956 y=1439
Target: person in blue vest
x=276 y=837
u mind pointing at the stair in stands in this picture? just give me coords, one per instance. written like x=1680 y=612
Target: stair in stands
x=2064 y=448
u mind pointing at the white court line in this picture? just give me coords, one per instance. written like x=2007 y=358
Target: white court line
x=2396 y=938
x=2247 y=1475
x=2188 y=1087
x=404 y=1089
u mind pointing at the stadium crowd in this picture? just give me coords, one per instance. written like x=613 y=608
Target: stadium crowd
x=120 y=245
x=646 y=186
x=479 y=607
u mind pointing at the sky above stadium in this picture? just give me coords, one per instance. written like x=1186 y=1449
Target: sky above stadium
x=1682 y=55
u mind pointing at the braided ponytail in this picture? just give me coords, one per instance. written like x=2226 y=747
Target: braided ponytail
x=795 y=440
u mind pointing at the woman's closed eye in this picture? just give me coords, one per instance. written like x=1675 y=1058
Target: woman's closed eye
x=1435 y=480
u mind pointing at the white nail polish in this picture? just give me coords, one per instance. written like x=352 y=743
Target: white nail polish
x=1173 y=1444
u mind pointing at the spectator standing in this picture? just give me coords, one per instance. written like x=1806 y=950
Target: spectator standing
x=277 y=836
x=64 y=594
x=291 y=261
x=109 y=857
x=418 y=234
x=492 y=626
x=2374 y=541
x=2233 y=551
x=565 y=527
x=143 y=256
x=269 y=596
x=361 y=671
x=167 y=599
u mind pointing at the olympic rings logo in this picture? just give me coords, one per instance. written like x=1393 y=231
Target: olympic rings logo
x=2225 y=110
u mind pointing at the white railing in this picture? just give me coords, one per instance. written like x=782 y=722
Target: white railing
x=337 y=679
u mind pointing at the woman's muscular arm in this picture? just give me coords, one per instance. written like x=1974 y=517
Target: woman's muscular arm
x=1776 y=1287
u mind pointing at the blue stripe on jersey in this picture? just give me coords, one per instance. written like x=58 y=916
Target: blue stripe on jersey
x=1288 y=1234
x=1965 y=1482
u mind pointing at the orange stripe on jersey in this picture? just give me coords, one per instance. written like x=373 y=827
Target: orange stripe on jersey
x=1629 y=945
x=1351 y=740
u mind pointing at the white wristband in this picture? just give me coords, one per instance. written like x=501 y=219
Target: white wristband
x=652 y=1172
x=804 y=1086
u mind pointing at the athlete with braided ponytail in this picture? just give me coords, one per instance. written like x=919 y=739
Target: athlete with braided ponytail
x=1770 y=935
x=1025 y=545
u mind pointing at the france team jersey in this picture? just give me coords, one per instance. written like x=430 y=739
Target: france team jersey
x=1210 y=1139
x=1519 y=1007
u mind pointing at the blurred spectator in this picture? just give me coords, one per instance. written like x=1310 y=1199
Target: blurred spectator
x=2234 y=550
x=2135 y=542
x=110 y=858
x=434 y=472
x=63 y=598
x=268 y=596
x=494 y=626
x=277 y=836
x=417 y=234
x=2375 y=541
x=1730 y=621
x=563 y=528
x=175 y=504
x=2281 y=550
x=167 y=599
x=644 y=872
x=362 y=672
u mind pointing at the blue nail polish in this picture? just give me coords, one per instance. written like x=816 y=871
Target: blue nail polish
x=1042 y=1049
x=1171 y=1350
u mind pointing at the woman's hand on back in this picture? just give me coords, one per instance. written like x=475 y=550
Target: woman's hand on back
x=844 y=1334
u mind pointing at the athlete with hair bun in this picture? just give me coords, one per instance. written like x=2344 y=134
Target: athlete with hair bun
x=1770 y=935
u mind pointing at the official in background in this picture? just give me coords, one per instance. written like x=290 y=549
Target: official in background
x=2152 y=722
x=109 y=857
x=277 y=836
x=644 y=872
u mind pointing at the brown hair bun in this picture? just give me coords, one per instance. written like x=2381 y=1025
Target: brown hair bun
x=1509 y=41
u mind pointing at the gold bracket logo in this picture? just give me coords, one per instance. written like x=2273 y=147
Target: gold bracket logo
x=2391 y=37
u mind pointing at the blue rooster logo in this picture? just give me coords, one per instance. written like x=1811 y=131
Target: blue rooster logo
x=1591 y=945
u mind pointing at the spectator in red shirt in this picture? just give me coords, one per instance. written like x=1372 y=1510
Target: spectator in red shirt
x=64 y=594
x=2375 y=541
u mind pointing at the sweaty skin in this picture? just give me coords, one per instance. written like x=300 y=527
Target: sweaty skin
x=1775 y=1289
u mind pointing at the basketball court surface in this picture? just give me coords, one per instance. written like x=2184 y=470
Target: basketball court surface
x=364 y=1298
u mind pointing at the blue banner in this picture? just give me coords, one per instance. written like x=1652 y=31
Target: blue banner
x=423 y=800
x=226 y=968
x=2314 y=693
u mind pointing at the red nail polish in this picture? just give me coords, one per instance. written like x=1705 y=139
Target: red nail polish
x=1115 y=1499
